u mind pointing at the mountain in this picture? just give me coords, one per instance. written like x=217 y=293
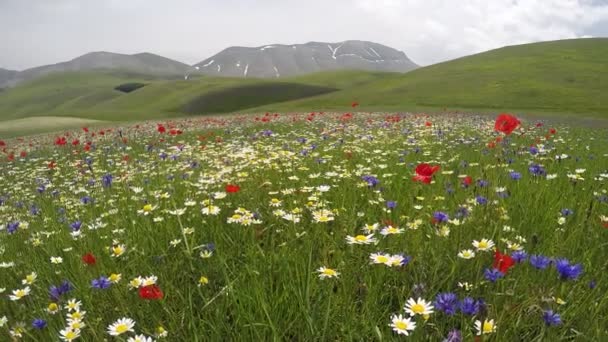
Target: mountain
x=278 y=60
x=141 y=63
x=6 y=76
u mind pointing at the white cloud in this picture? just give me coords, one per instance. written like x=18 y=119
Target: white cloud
x=435 y=30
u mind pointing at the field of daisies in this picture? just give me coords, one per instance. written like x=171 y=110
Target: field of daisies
x=306 y=227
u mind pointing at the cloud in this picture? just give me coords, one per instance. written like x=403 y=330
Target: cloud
x=36 y=32
x=431 y=31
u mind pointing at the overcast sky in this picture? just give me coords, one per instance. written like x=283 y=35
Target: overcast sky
x=36 y=32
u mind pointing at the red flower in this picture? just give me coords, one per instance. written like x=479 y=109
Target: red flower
x=424 y=173
x=23 y=154
x=502 y=262
x=51 y=165
x=85 y=129
x=60 y=141
x=2 y=143
x=231 y=188
x=552 y=131
x=506 y=123
x=467 y=181
x=428 y=124
x=150 y=292
x=89 y=259
x=76 y=142
x=161 y=129
x=354 y=104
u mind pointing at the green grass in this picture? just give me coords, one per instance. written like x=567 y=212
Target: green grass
x=263 y=283
x=560 y=78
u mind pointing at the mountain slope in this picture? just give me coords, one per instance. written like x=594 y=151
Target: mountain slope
x=6 y=76
x=567 y=76
x=143 y=63
x=278 y=60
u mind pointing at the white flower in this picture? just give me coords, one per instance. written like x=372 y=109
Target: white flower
x=466 y=254
x=402 y=325
x=68 y=334
x=483 y=244
x=56 y=260
x=19 y=293
x=487 y=327
x=361 y=239
x=140 y=338
x=121 y=326
x=418 y=307
x=325 y=272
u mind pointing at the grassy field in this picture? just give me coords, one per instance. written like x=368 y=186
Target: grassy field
x=563 y=78
x=306 y=228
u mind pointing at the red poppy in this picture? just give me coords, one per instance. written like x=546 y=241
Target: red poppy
x=51 y=165
x=23 y=154
x=428 y=124
x=552 y=131
x=232 y=188
x=506 y=123
x=2 y=143
x=85 y=129
x=75 y=142
x=89 y=259
x=466 y=181
x=161 y=129
x=60 y=141
x=354 y=104
x=424 y=173
x=150 y=292
x=502 y=262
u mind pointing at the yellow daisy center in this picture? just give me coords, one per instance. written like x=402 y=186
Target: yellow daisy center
x=361 y=238
x=329 y=272
x=148 y=208
x=401 y=325
x=70 y=335
x=382 y=259
x=483 y=244
x=418 y=308
x=487 y=327
x=121 y=328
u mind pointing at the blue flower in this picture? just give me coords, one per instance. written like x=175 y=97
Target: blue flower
x=391 y=204
x=536 y=170
x=493 y=274
x=567 y=271
x=101 y=283
x=539 y=261
x=75 y=226
x=519 y=256
x=55 y=292
x=533 y=150
x=440 y=217
x=482 y=183
x=481 y=200
x=470 y=306
x=447 y=302
x=551 y=318
x=371 y=180
x=39 y=323
x=12 y=227
x=515 y=175
x=106 y=180
x=567 y=212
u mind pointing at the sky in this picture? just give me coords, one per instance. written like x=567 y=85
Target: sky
x=38 y=32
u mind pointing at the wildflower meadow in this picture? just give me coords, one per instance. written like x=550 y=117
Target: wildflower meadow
x=306 y=227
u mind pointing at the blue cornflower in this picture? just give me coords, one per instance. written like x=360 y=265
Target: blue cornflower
x=482 y=183
x=75 y=226
x=39 y=323
x=566 y=270
x=536 y=170
x=447 y=302
x=470 y=306
x=391 y=204
x=539 y=261
x=493 y=274
x=519 y=256
x=515 y=175
x=481 y=200
x=106 y=180
x=440 y=217
x=551 y=318
x=592 y=284
x=533 y=150
x=462 y=212
x=86 y=200
x=101 y=283
x=566 y=212
x=371 y=180
x=55 y=292
x=12 y=227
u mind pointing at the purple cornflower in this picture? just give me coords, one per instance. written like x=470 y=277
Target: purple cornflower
x=481 y=200
x=55 y=292
x=492 y=274
x=482 y=183
x=519 y=256
x=101 y=283
x=551 y=318
x=39 y=324
x=462 y=212
x=106 y=180
x=86 y=200
x=470 y=306
x=447 y=302
x=536 y=170
x=12 y=227
x=371 y=180
x=453 y=336
x=440 y=217
x=391 y=204
x=75 y=226
x=515 y=175
x=566 y=212
x=566 y=270
x=539 y=261
x=533 y=150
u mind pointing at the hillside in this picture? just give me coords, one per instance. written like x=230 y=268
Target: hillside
x=141 y=63
x=277 y=60
x=567 y=76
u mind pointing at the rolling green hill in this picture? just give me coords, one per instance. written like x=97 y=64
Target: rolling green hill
x=567 y=77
